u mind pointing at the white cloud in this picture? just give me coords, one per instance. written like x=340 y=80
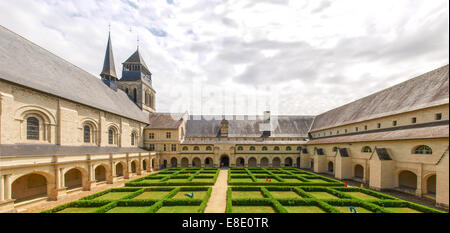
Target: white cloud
x=309 y=55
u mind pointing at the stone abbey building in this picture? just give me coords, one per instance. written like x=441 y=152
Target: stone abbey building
x=64 y=130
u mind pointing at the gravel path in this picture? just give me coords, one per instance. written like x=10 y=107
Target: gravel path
x=45 y=205
x=218 y=200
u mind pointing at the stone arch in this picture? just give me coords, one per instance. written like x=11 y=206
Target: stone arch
x=311 y=164
x=430 y=184
x=252 y=162
x=31 y=186
x=133 y=166
x=330 y=166
x=75 y=178
x=358 y=171
x=288 y=162
x=264 y=162
x=145 y=165
x=45 y=118
x=276 y=162
x=120 y=169
x=240 y=162
x=112 y=134
x=407 y=179
x=196 y=162
x=93 y=125
x=224 y=161
x=101 y=172
x=209 y=162
x=298 y=162
x=173 y=162
x=152 y=163
x=184 y=162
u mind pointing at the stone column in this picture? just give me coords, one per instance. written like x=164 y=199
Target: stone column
x=419 y=182
x=8 y=190
x=2 y=188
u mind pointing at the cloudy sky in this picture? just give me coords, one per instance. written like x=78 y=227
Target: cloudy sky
x=300 y=57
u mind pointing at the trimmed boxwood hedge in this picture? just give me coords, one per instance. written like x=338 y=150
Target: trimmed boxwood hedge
x=400 y=203
x=366 y=191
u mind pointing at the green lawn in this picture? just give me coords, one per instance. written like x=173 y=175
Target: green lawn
x=402 y=210
x=197 y=194
x=318 y=181
x=78 y=210
x=178 y=209
x=304 y=209
x=292 y=180
x=362 y=196
x=152 y=180
x=177 y=180
x=152 y=195
x=285 y=194
x=113 y=196
x=129 y=209
x=241 y=180
x=202 y=180
x=253 y=209
x=346 y=209
x=247 y=194
x=273 y=180
x=323 y=195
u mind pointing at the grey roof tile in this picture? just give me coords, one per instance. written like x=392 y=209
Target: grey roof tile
x=429 y=89
x=26 y=64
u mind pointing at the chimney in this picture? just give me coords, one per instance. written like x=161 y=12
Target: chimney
x=265 y=127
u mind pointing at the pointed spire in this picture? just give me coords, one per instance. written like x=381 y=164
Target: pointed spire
x=109 y=68
x=137 y=58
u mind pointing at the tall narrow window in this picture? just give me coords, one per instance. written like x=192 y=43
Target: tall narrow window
x=413 y=120
x=32 y=128
x=168 y=135
x=174 y=147
x=379 y=125
x=111 y=136
x=87 y=134
x=133 y=135
x=135 y=95
x=394 y=123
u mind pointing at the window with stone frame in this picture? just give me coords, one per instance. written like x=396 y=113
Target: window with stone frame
x=151 y=135
x=32 y=128
x=423 y=149
x=174 y=147
x=168 y=135
x=367 y=149
x=87 y=134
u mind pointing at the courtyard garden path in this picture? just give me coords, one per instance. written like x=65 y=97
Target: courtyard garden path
x=218 y=201
x=45 y=205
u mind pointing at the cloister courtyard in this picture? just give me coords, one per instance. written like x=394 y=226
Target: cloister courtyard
x=238 y=190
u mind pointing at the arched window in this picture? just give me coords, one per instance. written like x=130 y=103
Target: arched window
x=423 y=150
x=32 y=128
x=264 y=148
x=367 y=149
x=299 y=148
x=288 y=148
x=276 y=148
x=252 y=148
x=240 y=148
x=335 y=149
x=185 y=148
x=209 y=148
x=87 y=134
x=110 y=136
x=196 y=148
x=133 y=137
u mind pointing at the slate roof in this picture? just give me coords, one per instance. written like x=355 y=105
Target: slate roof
x=108 y=65
x=427 y=90
x=137 y=58
x=38 y=149
x=247 y=126
x=165 y=120
x=382 y=154
x=26 y=64
x=440 y=131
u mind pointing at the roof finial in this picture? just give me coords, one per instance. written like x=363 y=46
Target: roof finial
x=138 y=41
x=109 y=28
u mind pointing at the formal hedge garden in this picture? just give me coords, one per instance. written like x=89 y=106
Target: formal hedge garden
x=316 y=199
x=277 y=177
x=140 y=200
x=178 y=177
